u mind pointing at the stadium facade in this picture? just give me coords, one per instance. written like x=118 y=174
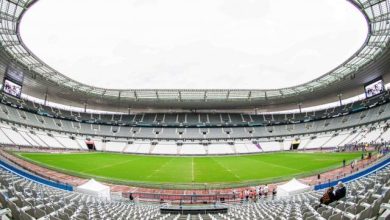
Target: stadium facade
x=193 y=122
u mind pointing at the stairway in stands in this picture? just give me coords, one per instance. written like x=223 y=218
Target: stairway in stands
x=259 y=147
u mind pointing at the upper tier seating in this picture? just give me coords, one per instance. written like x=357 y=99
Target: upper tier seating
x=29 y=124
x=371 y=116
x=188 y=119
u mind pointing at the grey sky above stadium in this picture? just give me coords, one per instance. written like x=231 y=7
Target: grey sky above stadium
x=197 y=44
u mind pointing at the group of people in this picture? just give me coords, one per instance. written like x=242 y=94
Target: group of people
x=253 y=195
x=332 y=195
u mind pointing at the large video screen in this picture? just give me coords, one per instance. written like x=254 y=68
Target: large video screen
x=374 y=88
x=12 y=88
x=14 y=74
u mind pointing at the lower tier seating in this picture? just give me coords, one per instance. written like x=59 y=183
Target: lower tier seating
x=20 y=198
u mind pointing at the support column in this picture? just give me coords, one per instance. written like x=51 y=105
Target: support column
x=341 y=102
x=44 y=103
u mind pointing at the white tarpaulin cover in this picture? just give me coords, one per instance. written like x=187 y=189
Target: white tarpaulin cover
x=292 y=187
x=94 y=188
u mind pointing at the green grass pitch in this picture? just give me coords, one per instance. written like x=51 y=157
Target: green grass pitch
x=175 y=169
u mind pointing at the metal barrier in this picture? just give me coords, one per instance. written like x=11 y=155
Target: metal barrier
x=355 y=176
x=185 y=198
x=194 y=210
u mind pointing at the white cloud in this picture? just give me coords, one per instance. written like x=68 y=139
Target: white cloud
x=199 y=44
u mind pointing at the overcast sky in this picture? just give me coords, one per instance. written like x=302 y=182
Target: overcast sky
x=198 y=44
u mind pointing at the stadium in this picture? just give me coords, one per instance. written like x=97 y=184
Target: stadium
x=212 y=115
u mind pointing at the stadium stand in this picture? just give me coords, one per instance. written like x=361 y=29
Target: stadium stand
x=330 y=131
x=21 y=198
x=377 y=105
x=325 y=140
x=194 y=122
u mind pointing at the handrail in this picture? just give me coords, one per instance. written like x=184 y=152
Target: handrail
x=354 y=176
x=34 y=178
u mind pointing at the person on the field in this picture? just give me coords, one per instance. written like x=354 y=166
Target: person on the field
x=252 y=195
x=257 y=191
x=260 y=194
x=265 y=190
x=131 y=198
x=340 y=192
x=328 y=196
x=274 y=193
x=246 y=192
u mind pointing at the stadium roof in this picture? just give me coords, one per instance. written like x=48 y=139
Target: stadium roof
x=369 y=62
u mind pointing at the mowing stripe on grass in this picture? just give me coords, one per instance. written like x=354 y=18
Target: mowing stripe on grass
x=195 y=170
x=154 y=172
x=273 y=164
x=110 y=165
x=228 y=170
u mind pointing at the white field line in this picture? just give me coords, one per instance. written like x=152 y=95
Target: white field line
x=193 y=177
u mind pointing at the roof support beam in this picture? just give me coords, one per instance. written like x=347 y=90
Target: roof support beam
x=21 y=55
x=227 y=95
x=8 y=17
x=10 y=43
x=371 y=3
x=34 y=66
x=366 y=56
x=380 y=32
x=180 y=99
x=376 y=44
x=135 y=95
x=20 y=3
x=249 y=97
x=381 y=17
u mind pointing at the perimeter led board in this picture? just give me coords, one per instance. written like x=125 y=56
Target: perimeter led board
x=14 y=74
x=12 y=88
x=374 y=88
